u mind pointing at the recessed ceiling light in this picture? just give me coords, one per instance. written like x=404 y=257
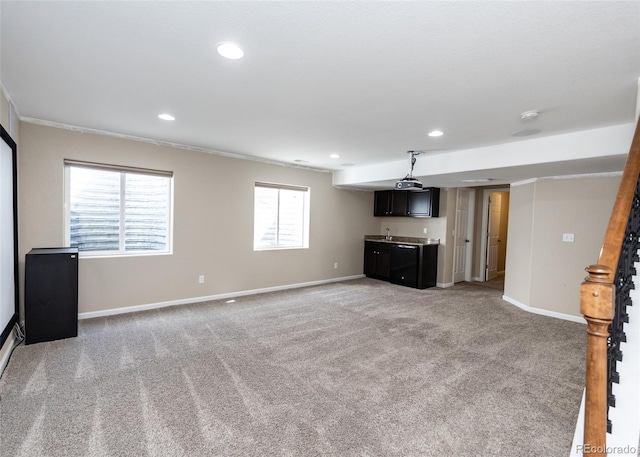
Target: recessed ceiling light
x=166 y=117
x=526 y=132
x=230 y=51
x=334 y=156
x=436 y=133
x=477 y=180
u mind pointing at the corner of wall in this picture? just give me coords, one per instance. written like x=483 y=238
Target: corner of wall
x=5 y=351
x=8 y=115
x=520 y=242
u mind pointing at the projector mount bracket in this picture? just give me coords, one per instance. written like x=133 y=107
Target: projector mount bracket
x=412 y=162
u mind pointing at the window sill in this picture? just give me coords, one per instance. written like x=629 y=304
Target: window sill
x=287 y=248
x=84 y=255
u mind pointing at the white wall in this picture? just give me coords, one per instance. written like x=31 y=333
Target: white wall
x=543 y=272
x=517 y=281
x=213 y=228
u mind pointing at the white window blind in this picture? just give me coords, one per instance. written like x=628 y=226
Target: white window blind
x=281 y=216
x=117 y=210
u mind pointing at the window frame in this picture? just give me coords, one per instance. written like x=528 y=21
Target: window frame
x=123 y=170
x=306 y=191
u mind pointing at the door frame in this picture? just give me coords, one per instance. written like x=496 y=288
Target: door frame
x=468 y=263
x=485 y=226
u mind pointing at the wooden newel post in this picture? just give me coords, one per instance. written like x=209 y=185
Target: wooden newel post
x=597 y=295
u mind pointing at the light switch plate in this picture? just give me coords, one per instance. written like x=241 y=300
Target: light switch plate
x=567 y=237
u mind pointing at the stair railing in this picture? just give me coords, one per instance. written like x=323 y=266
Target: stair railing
x=604 y=296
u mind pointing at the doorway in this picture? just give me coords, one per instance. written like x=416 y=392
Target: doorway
x=463 y=235
x=495 y=231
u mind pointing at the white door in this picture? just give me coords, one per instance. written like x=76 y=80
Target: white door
x=493 y=233
x=462 y=247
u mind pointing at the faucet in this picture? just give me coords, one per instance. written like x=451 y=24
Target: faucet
x=388 y=237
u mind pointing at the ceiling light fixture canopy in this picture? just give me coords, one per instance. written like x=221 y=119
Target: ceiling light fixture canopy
x=230 y=50
x=166 y=117
x=435 y=133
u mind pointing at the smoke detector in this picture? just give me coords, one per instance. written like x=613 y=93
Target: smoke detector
x=530 y=115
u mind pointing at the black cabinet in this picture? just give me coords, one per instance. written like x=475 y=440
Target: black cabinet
x=51 y=294
x=403 y=203
x=425 y=203
x=427 y=266
x=410 y=265
x=390 y=203
x=377 y=259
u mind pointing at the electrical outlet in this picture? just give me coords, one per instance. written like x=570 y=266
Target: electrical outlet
x=567 y=237
x=424 y=230
x=201 y=279
x=335 y=265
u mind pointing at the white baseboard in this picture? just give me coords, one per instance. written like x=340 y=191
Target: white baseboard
x=477 y=279
x=444 y=285
x=544 y=312
x=136 y=308
x=6 y=350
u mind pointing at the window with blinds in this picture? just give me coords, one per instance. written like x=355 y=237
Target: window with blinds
x=281 y=216
x=115 y=210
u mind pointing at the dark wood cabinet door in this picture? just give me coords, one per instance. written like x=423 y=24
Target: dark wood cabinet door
x=377 y=259
x=428 y=266
x=383 y=262
x=390 y=203
x=425 y=203
x=369 y=258
x=398 y=202
x=382 y=203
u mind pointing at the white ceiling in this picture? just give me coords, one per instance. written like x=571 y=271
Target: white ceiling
x=367 y=80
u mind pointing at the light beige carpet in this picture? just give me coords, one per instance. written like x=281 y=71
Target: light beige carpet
x=359 y=368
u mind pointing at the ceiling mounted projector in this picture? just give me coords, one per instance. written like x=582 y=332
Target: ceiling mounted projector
x=406 y=184
x=409 y=182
